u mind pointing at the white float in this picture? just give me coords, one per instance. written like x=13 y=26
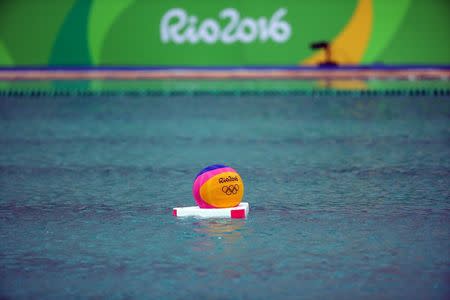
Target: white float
x=237 y=212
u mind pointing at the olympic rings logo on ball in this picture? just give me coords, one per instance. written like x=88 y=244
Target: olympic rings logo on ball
x=232 y=189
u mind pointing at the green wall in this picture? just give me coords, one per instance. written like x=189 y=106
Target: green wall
x=132 y=32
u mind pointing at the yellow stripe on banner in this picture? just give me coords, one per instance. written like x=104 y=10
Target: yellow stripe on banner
x=349 y=46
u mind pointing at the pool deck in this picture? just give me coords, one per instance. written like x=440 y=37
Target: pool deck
x=254 y=72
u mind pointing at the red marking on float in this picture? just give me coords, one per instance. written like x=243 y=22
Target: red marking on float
x=238 y=214
x=174 y=212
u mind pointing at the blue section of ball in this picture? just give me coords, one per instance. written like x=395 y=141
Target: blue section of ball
x=210 y=168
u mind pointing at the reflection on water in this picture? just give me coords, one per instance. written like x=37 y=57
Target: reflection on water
x=229 y=230
x=210 y=230
x=219 y=242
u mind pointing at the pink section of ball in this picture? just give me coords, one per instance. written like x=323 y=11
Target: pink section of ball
x=200 y=180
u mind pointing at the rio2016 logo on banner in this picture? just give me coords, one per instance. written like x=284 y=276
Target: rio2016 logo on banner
x=178 y=27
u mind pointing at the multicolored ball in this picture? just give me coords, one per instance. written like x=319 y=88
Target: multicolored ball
x=218 y=186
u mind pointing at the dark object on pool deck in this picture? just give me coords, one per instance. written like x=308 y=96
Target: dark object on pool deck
x=325 y=45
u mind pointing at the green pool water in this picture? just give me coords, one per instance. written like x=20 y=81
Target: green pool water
x=349 y=197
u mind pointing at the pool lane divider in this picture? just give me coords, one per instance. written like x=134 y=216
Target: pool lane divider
x=16 y=92
x=363 y=93
x=239 y=212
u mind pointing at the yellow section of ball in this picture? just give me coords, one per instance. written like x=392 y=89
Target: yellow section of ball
x=223 y=190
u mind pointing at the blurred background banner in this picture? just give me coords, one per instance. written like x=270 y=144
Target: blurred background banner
x=222 y=33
